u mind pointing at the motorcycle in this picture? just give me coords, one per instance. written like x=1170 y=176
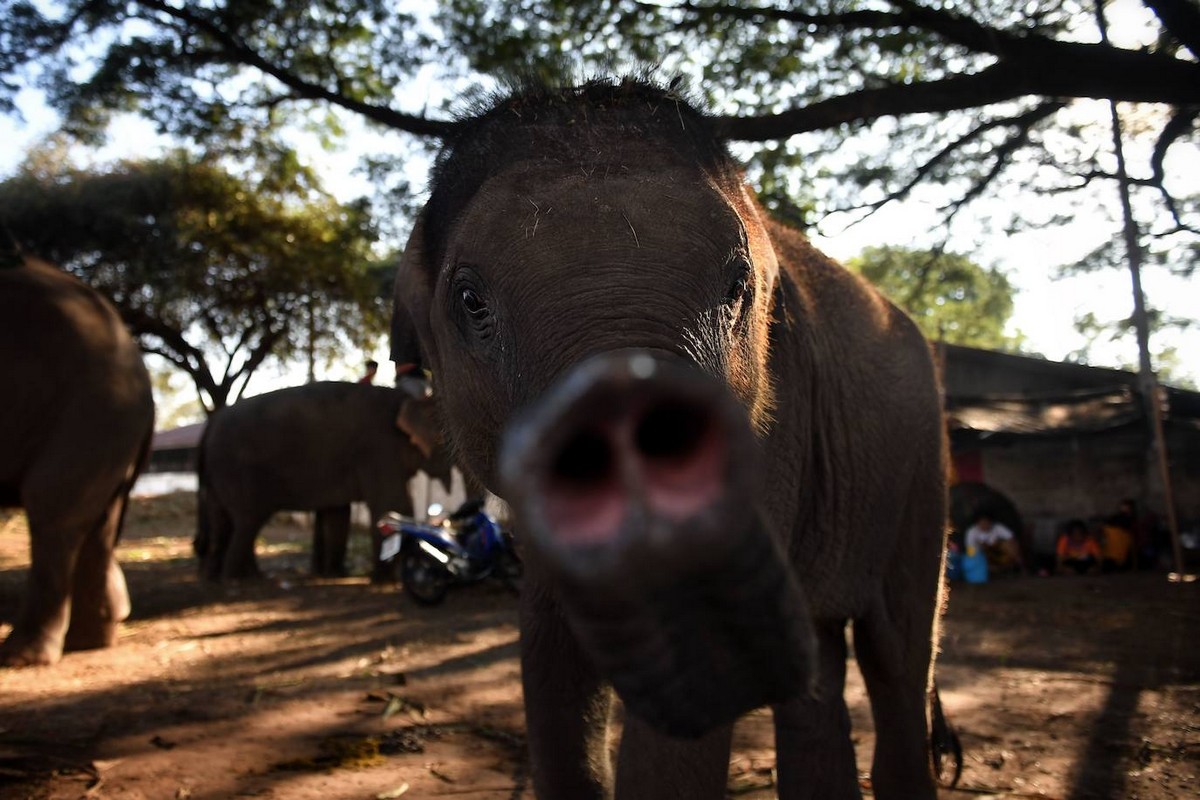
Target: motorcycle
x=466 y=547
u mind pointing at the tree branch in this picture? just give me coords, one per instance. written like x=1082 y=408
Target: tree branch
x=1179 y=125
x=1003 y=154
x=265 y=347
x=243 y=53
x=952 y=27
x=1068 y=70
x=177 y=349
x=850 y=20
x=1181 y=18
x=1023 y=122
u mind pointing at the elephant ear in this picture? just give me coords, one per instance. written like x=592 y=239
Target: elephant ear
x=418 y=420
x=411 y=300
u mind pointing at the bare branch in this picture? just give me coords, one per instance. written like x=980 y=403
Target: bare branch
x=1023 y=122
x=1182 y=19
x=1068 y=69
x=1002 y=156
x=238 y=48
x=850 y=20
x=1179 y=125
x=968 y=33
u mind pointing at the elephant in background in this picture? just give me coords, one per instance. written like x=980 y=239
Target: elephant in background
x=316 y=447
x=76 y=418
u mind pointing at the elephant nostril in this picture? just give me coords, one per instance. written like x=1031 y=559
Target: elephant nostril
x=586 y=458
x=672 y=431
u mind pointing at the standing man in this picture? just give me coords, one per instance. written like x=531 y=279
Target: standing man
x=372 y=368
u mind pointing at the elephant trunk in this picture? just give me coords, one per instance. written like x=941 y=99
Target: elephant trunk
x=635 y=484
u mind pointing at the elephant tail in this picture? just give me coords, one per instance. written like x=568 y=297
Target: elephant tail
x=947 y=750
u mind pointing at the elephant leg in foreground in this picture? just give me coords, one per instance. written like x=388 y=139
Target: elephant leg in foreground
x=567 y=706
x=654 y=766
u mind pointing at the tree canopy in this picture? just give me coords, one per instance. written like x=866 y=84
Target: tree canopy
x=845 y=106
x=951 y=298
x=966 y=86
x=211 y=271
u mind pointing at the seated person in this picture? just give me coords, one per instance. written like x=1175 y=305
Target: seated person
x=1077 y=551
x=997 y=542
x=1116 y=541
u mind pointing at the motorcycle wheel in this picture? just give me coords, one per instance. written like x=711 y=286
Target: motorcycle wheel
x=425 y=580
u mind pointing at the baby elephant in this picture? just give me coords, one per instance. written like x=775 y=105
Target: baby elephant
x=313 y=447
x=721 y=449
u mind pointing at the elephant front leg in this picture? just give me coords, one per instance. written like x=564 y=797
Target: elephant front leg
x=814 y=751
x=893 y=645
x=567 y=708
x=99 y=598
x=654 y=766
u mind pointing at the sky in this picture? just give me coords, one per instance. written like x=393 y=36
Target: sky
x=1044 y=307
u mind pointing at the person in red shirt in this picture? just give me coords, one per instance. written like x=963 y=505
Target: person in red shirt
x=1077 y=551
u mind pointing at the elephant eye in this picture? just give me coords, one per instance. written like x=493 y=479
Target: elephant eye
x=739 y=287
x=737 y=290
x=473 y=304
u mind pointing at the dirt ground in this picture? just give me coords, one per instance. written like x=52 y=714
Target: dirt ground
x=299 y=688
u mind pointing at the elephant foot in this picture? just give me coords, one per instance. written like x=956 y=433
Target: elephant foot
x=17 y=653
x=91 y=636
x=233 y=572
x=633 y=481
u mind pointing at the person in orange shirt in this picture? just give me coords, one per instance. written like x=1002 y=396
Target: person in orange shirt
x=1077 y=551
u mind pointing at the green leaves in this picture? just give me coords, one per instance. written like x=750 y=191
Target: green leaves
x=212 y=271
x=951 y=298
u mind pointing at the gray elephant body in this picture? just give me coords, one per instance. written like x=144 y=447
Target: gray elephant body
x=316 y=447
x=76 y=416
x=721 y=449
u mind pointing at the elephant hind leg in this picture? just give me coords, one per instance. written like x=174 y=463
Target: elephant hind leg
x=41 y=625
x=99 y=597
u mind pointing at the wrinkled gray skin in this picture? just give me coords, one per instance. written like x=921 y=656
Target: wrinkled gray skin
x=721 y=448
x=316 y=447
x=76 y=416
